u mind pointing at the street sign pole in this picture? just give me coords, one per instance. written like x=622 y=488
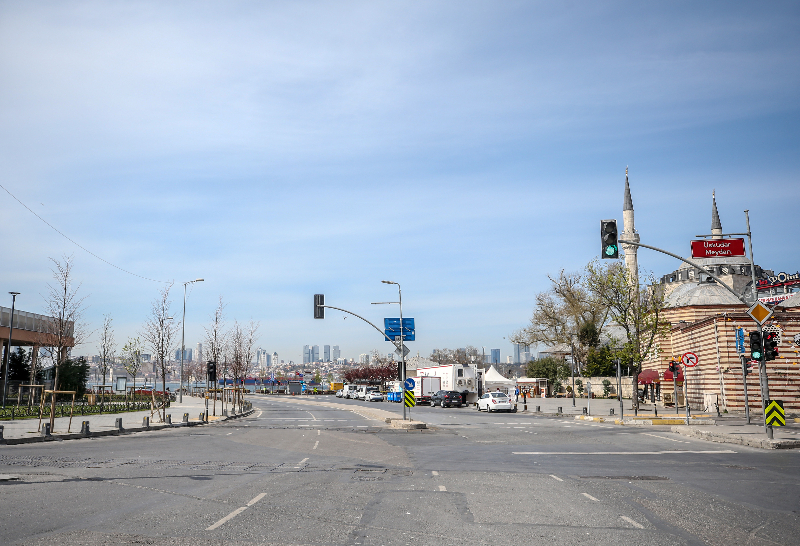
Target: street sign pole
x=744 y=383
x=619 y=389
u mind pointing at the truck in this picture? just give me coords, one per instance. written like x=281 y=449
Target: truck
x=425 y=387
x=337 y=386
x=455 y=377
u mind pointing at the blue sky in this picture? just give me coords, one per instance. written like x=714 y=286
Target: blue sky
x=465 y=150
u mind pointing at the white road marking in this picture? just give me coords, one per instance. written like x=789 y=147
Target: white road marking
x=588 y=496
x=556 y=477
x=319 y=432
x=259 y=414
x=442 y=488
x=227 y=518
x=304 y=460
x=634 y=523
x=434 y=473
x=229 y=434
x=315 y=444
x=675 y=452
x=256 y=499
x=665 y=438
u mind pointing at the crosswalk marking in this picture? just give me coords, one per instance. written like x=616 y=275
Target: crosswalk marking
x=632 y=522
x=588 y=496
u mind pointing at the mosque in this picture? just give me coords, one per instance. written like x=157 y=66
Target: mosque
x=704 y=318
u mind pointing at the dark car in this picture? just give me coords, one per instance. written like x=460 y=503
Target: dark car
x=446 y=399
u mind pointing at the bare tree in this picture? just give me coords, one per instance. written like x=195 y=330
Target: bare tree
x=108 y=347
x=63 y=328
x=160 y=333
x=132 y=359
x=214 y=345
x=242 y=341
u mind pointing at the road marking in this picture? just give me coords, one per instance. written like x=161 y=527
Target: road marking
x=304 y=460
x=634 y=523
x=442 y=488
x=259 y=414
x=315 y=444
x=229 y=434
x=311 y=414
x=556 y=477
x=588 y=496
x=319 y=432
x=227 y=518
x=434 y=473
x=665 y=438
x=256 y=499
x=674 y=452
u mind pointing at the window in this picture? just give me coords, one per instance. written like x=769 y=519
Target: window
x=461 y=372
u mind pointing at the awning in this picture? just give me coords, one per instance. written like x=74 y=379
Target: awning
x=648 y=377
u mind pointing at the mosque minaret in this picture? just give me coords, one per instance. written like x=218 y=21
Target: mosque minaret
x=630 y=234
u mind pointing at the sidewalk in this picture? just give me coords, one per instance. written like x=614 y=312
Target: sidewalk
x=735 y=430
x=26 y=429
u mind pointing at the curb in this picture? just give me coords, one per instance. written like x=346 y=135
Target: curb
x=79 y=436
x=725 y=438
x=405 y=424
x=645 y=422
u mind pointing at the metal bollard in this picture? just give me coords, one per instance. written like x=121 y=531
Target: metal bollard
x=118 y=424
x=185 y=417
x=224 y=413
x=1 y=433
x=202 y=416
x=45 y=429
x=145 y=422
x=611 y=411
x=586 y=411
x=85 y=428
x=538 y=408
x=560 y=409
x=169 y=418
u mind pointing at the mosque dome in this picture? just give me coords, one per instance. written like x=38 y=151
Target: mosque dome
x=701 y=294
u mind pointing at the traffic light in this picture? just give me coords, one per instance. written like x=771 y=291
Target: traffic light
x=770 y=345
x=748 y=367
x=608 y=239
x=673 y=367
x=319 y=302
x=211 y=370
x=756 y=346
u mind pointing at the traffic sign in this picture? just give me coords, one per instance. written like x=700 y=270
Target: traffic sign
x=405 y=350
x=759 y=312
x=689 y=360
x=409 y=383
x=775 y=413
x=740 y=341
x=392 y=328
x=714 y=248
x=410 y=400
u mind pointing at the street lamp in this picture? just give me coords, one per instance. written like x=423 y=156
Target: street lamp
x=402 y=352
x=183 y=335
x=8 y=349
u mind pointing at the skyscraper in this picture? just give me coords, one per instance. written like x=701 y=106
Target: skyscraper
x=495 y=356
x=315 y=353
x=275 y=360
x=326 y=351
x=337 y=354
x=306 y=354
x=199 y=352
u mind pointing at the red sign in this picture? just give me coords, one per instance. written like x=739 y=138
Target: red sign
x=689 y=360
x=713 y=248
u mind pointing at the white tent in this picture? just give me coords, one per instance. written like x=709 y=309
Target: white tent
x=493 y=380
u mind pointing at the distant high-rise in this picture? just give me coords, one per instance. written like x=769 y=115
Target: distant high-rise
x=199 y=352
x=326 y=352
x=306 y=354
x=275 y=360
x=187 y=355
x=363 y=358
x=337 y=354
x=315 y=353
x=495 y=356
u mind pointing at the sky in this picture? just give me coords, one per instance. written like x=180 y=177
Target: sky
x=465 y=150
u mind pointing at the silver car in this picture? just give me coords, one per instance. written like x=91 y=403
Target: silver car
x=495 y=401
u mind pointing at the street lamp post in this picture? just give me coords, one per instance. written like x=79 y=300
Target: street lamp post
x=8 y=349
x=402 y=352
x=183 y=335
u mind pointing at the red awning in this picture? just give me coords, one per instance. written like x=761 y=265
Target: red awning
x=668 y=376
x=648 y=377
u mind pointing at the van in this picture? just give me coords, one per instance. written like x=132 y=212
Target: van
x=349 y=391
x=363 y=390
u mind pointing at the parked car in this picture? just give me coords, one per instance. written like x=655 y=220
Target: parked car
x=374 y=396
x=446 y=399
x=339 y=393
x=495 y=401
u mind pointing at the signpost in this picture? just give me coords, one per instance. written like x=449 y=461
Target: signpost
x=409 y=400
x=775 y=416
x=410 y=384
x=393 y=330
x=714 y=248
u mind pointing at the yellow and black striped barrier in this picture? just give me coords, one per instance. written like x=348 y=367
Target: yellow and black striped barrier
x=410 y=400
x=776 y=416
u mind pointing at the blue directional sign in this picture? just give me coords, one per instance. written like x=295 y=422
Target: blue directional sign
x=409 y=383
x=392 y=326
x=740 y=341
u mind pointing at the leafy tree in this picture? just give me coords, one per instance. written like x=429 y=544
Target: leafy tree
x=606 y=387
x=554 y=369
x=600 y=362
x=74 y=375
x=19 y=365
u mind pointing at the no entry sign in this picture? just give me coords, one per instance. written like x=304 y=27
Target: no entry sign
x=689 y=360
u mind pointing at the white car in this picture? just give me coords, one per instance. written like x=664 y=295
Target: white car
x=495 y=401
x=374 y=397
x=339 y=393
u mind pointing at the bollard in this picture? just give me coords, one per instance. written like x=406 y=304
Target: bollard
x=118 y=424
x=224 y=413
x=560 y=409
x=145 y=422
x=538 y=408
x=611 y=411
x=45 y=429
x=1 y=434
x=656 y=410
x=202 y=416
x=586 y=411
x=185 y=417
x=85 y=428
x=525 y=407
x=169 y=419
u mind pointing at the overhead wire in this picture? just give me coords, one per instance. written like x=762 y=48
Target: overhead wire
x=76 y=243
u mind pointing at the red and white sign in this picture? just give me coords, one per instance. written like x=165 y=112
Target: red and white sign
x=689 y=360
x=714 y=248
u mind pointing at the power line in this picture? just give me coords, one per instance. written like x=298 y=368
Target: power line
x=75 y=243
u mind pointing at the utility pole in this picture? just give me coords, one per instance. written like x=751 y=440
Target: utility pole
x=8 y=348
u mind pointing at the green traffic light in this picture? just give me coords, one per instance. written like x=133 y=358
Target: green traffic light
x=611 y=250
x=756 y=355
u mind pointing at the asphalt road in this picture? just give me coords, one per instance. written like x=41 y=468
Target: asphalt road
x=297 y=472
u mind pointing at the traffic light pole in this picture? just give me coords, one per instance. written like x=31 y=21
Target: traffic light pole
x=744 y=382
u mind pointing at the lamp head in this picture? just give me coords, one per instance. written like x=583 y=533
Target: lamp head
x=199 y=280
x=388 y=282
x=14 y=293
